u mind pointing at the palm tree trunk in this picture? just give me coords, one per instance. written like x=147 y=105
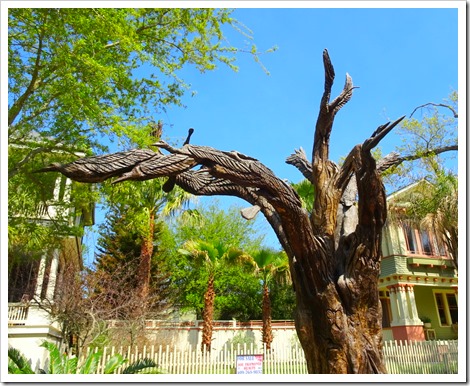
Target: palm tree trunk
x=267 y=330
x=207 y=315
x=146 y=252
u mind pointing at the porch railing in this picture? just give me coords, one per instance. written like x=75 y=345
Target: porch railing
x=17 y=313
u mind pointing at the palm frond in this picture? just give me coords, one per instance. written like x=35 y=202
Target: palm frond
x=142 y=366
x=113 y=363
x=17 y=362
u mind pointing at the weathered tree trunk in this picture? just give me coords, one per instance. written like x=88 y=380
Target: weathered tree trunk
x=207 y=315
x=267 y=329
x=334 y=252
x=339 y=320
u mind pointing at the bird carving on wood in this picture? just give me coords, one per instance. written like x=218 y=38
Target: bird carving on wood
x=170 y=183
x=157 y=129
x=190 y=132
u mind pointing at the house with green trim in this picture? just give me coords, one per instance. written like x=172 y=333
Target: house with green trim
x=419 y=279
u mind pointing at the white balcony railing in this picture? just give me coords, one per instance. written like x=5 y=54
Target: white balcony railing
x=17 y=313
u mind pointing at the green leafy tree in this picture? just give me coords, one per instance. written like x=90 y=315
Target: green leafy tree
x=119 y=246
x=73 y=71
x=238 y=293
x=426 y=142
x=429 y=144
x=282 y=297
x=214 y=226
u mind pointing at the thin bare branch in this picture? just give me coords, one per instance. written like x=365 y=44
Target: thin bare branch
x=456 y=115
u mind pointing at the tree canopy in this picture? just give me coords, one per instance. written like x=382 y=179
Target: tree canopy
x=429 y=138
x=74 y=74
x=82 y=78
x=224 y=237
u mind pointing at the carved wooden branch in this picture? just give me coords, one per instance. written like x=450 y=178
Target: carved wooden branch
x=300 y=161
x=100 y=168
x=328 y=110
x=333 y=269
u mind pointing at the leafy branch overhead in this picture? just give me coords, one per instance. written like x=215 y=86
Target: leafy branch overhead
x=75 y=75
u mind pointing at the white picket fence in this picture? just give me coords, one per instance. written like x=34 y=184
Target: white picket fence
x=428 y=357
x=421 y=357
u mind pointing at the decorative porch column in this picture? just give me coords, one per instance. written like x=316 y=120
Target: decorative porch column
x=52 y=275
x=405 y=323
x=413 y=311
x=394 y=305
x=402 y=304
x=40 y=277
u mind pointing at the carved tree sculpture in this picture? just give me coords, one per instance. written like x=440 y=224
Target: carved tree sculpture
x=334 y=252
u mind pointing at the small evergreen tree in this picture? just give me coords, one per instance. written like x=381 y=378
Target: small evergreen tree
x=120 y=246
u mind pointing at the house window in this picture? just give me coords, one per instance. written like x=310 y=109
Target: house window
x=453 y=309
x=384 y=297
x=22 y=277
x=410 y=239
x=422 y=242
x=446 y=304
x=426 y=243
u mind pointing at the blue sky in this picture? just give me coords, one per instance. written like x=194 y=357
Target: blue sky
x=398 y=57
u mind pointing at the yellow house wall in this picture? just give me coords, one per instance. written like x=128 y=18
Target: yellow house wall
x=426 y=306
x=393 y=241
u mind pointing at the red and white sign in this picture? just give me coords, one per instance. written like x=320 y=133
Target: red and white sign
x=250 y=364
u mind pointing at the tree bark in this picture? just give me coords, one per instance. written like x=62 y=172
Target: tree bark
x=267 y=329
x=334 y=251
x=146 y=252
x=207 y=315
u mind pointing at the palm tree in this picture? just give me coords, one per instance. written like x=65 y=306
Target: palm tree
x=270 y=265
x=143 y=204
x=209 y=256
